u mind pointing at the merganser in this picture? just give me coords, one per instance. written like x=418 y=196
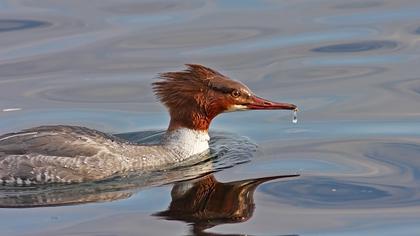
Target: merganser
x=71 y=154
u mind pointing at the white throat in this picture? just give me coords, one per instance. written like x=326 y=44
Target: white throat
x=186 y=142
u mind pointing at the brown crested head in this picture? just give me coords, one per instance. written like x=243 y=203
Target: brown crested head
x=198 y=94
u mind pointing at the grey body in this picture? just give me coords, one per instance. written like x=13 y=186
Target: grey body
x=69 y=154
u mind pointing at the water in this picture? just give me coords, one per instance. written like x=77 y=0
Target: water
x=350 y=66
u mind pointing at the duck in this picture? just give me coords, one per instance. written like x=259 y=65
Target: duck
x=74 y=154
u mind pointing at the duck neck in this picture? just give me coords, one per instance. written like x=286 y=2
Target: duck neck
x=196 y=115
x=185 y=141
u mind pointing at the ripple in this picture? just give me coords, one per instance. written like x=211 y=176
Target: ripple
x=13 y=25
x=319 y=73
x=330 y=192
x=52 y=45
x=401 y=156
x=371 y=173
x=277 y=41
x=226 y=149
x=98 y=93
x=357 y=46
x=199 y=37
x=153 y=7
x=404 y=87
x=357 y=5
x=372 y=17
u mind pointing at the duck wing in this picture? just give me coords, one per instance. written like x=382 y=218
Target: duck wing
x=56 y=154
x=62 y=141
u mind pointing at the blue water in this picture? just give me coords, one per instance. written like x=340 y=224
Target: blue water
x=350 y=66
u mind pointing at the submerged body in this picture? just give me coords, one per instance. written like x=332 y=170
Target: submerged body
x=69 y=154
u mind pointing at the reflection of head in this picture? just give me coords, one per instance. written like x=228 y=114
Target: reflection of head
x=206 y=203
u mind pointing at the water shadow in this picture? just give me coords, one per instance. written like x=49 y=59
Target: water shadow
x=359 y=5
x=13 y=25
x=357 y=46
x=404 y=87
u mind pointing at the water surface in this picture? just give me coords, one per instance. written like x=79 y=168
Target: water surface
x=351 y=67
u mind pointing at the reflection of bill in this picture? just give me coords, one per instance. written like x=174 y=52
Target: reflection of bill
x=205 y=202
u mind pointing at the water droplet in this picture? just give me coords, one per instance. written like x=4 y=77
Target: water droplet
x=294 y=120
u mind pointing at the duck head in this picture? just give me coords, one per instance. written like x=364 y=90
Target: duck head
x=198 y=94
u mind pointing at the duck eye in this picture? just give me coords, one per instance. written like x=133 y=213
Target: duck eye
x=235 y=93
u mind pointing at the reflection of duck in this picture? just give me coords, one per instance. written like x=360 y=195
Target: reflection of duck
x=205 y=202
x=75 y=154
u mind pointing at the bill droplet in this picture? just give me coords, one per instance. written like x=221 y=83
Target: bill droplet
x=294 y=120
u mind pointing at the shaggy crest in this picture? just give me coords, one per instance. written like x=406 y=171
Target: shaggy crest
x=175 y=88
x=190 y=97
